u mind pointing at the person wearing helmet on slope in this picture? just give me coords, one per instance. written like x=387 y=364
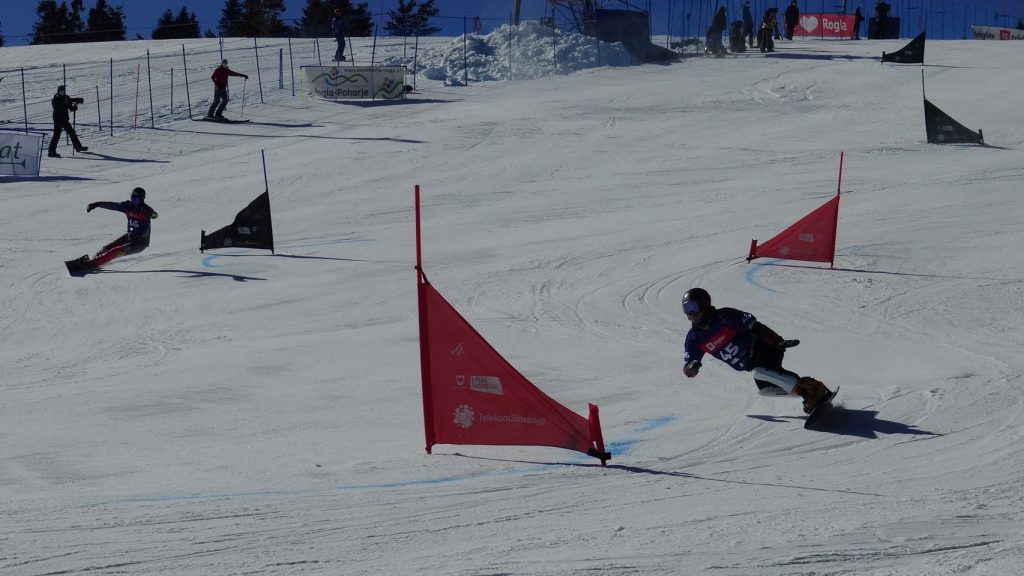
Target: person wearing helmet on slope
x=136 y=239
x=220 y=91
x=339 y=29
x=738 y=339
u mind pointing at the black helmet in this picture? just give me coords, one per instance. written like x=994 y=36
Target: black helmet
x=139 y=193
x=696 y=301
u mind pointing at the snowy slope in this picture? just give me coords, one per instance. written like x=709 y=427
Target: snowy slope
x=237 y=412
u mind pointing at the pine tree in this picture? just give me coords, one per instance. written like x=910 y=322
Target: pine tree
x=231 y=22
x=164 y=26
x=316 y=18
x=105 y=23
x=51 y=26
x=188 y=23
x=184 y=25
x=263 y=18
x=312 y=22
x=412 y=19
x=74 y=23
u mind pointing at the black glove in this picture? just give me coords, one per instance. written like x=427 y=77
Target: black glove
x=789 y=344
x=691 y=368
x=91 y=207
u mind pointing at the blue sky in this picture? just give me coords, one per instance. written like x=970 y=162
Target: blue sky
x=943 y=18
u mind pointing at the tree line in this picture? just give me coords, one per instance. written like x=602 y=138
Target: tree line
x=60 y=23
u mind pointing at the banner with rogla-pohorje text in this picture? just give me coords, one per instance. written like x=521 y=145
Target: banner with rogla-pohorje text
x=20 y=153
x=357 y=82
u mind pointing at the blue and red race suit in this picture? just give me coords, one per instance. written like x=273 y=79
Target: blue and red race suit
x=135 y=240
x=729 y=336
x=138 y=216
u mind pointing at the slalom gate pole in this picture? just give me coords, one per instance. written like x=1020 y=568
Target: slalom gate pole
x=421 y=296
x=266 y=184
x=839 y=185
x=24 y=100
x=138 y=78
x=243 y=106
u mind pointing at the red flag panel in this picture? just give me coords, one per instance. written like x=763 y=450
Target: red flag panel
x=477 y=397
x=812 y=238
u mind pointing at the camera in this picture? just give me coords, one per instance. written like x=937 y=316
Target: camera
x=78 y=100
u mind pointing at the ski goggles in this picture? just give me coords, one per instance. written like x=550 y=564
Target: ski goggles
x=691 y=308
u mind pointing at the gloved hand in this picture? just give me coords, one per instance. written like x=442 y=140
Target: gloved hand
x=91 y=207
x=789 y=344
x=691 y=368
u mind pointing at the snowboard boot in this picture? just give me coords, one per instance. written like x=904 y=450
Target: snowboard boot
x=812 y=391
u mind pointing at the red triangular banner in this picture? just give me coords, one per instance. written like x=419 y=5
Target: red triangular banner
x=472 y=395
x=812 y=238
x=476 y=397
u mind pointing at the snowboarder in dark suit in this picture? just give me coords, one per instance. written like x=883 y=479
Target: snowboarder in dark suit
x=135 y=240
x=738 y=339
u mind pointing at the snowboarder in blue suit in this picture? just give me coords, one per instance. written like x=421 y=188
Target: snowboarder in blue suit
x=738 y=339
x=136 y=239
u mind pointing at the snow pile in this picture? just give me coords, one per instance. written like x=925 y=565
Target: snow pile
x=528 y=50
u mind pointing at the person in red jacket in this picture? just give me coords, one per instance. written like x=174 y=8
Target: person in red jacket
x=220 y=90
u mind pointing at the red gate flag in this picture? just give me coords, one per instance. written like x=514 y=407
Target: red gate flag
x=812 y=238
x=472 y=395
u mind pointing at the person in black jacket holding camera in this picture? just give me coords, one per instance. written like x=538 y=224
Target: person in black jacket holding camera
x=62 y=105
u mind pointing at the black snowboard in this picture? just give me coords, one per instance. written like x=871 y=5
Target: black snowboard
x=821 y=411
x=80 y=266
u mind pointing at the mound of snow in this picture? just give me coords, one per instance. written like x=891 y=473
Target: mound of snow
x=528 y=50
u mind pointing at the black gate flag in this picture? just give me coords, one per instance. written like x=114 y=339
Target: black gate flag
x=912 y=53
x=252 y=228
x=942 y=129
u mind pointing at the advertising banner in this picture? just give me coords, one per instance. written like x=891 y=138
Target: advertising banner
x=357 y=82
x=19 y=153
x=996 y=33
x=825 y=25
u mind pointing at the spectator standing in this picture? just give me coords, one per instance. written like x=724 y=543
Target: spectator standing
x=62 y=106
x=791 y=18
x=765 y=41
x=748 y=23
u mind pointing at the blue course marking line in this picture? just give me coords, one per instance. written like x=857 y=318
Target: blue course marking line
x=617 y=448
x=749 y=276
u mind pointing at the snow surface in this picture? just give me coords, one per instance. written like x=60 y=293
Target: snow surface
x=237 y=412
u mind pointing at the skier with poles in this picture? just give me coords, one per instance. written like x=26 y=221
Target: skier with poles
x=220 y=91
